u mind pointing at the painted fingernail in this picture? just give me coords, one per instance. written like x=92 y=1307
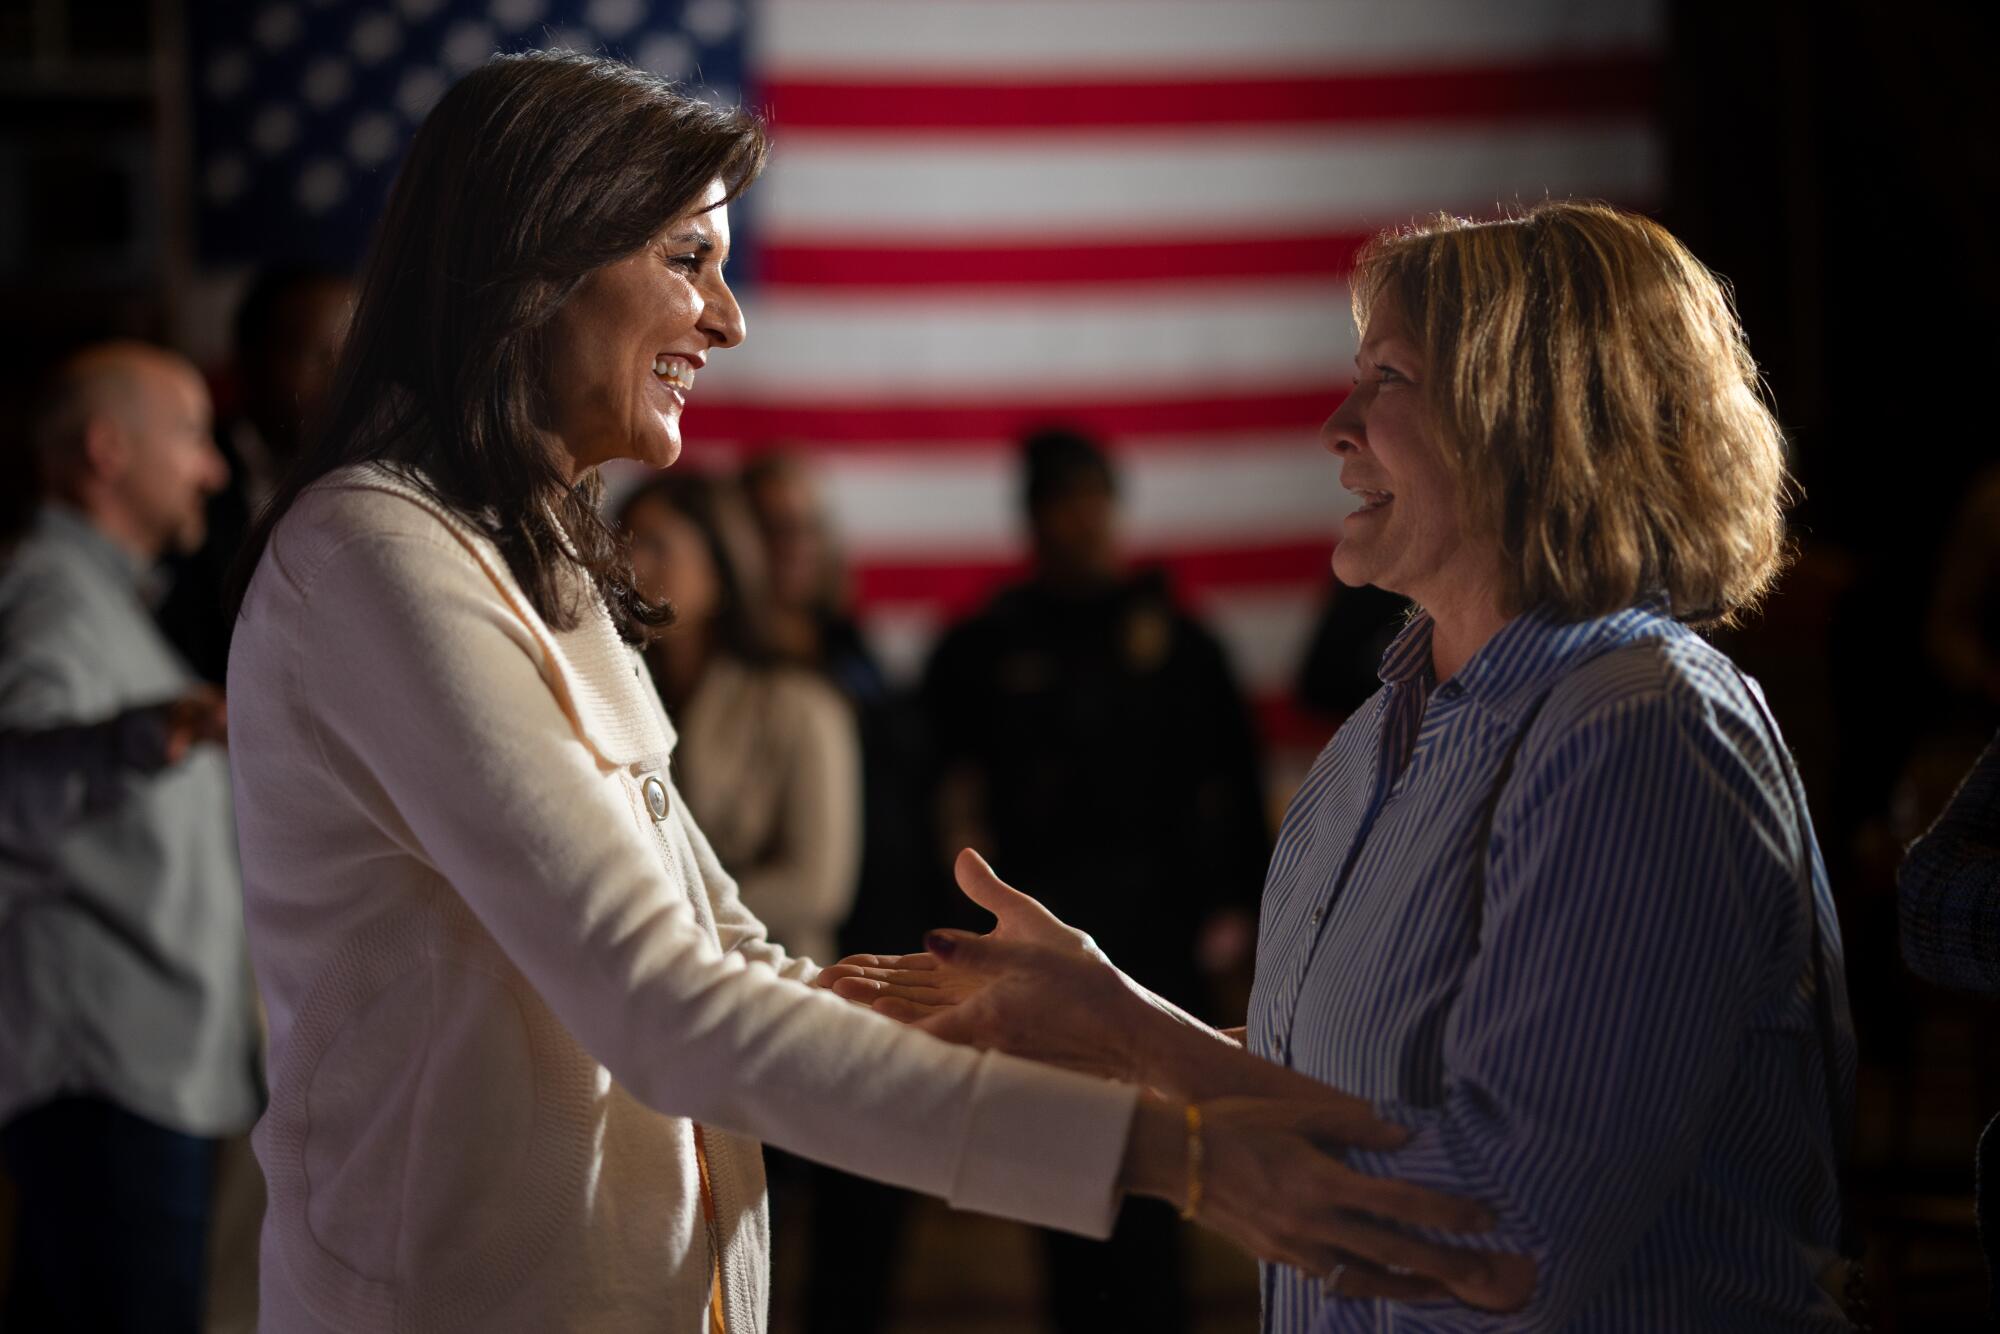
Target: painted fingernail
x=940 y=944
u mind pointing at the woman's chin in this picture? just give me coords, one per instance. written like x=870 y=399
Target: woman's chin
x=659 y=450
x=1351 y=568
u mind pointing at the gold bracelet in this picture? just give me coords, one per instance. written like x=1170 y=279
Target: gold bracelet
x=1193 y=1205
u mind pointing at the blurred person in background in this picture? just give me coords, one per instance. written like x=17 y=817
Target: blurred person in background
x=1948 y=892
x=811 y=625
x=127 y=1029
x=1551 y=898
x=767 y=758
x=809 y=621
x=1089 y=731
x=1354 y=629
x=286 y=342
x=856 y=1223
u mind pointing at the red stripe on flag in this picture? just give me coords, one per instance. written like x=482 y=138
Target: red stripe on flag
x=955 y=588
x=1567 y=87
x=837 y=263
x=980 y=424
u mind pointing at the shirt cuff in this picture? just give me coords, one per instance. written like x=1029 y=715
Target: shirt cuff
x=1044 y=1145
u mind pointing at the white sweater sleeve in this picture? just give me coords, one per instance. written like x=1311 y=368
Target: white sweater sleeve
x=431 y=711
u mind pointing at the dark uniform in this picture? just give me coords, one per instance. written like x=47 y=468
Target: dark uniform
x=1121 y=787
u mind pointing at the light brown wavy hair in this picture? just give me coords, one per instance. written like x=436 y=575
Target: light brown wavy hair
x=1591 y=389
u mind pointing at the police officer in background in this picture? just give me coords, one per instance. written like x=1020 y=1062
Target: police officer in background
x=1093 y=742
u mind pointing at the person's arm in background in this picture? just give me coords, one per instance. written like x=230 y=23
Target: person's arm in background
x=55 y=768
x=1948 y=887
x=52 y=778
x=804 y=888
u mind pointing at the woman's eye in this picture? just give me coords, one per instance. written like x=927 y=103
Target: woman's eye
x=689 y=263
x=1390 y=375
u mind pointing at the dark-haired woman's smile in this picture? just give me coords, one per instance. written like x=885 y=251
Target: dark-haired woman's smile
x=659 y=311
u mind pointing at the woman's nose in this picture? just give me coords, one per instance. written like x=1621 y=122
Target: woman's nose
x=722 y=318
x=1341 y=433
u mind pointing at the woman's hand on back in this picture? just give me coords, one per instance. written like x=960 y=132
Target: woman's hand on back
x=1273 y=1183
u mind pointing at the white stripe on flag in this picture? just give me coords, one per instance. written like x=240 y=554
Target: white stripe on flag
x=955 y=504
x=1183 y=340
x=1058 y=39
x=1076 y=187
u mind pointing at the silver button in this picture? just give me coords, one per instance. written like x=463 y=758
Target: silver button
x=1317 y=914
x=656 y=797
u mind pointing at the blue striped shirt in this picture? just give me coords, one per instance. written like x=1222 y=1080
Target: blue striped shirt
x=1602 y=1024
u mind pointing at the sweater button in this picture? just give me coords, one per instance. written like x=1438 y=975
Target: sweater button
x=656 y=797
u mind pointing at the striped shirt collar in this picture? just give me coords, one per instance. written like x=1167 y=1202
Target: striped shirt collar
x=1513 y=668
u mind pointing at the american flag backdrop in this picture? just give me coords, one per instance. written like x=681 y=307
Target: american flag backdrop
x=985 y=215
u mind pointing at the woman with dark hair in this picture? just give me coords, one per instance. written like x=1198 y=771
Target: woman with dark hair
x=768 y=758
x=1550 y=897
x=525 y=1036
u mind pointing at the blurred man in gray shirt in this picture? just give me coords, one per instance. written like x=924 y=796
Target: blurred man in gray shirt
x=127 y=1030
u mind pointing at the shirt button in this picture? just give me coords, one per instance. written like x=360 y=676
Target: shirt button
x=656 y=797
x=1314 y=920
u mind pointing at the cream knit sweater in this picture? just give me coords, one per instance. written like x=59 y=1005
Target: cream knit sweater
x=505 y=973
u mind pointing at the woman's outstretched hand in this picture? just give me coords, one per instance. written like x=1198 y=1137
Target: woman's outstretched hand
x=1016 y=917
x=1056 y=1005
x=1008 y=988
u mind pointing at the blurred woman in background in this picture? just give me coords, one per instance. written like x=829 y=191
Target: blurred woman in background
x=856 y=1224
x=768 y=757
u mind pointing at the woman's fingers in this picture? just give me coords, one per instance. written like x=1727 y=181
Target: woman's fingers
x=894 y=977
x=1283 y=1196
x=1019 y=915
x=918 y=962
x=1510 y=1282
x=989 y=891
x=1355 y=1277
x=871 y=991
x=912 y=1012
x=1470 y=1276
x=1350 y=1123
x=1389 y=1198
x=1487 y=1280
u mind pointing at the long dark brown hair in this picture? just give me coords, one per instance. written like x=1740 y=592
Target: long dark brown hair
x=532 y=171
